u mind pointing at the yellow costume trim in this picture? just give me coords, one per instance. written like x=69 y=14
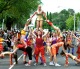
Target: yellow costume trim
x=1 y=39
x=39 y=16
x=23 y=32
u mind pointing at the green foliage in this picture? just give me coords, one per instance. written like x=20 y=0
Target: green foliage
x=17 y=11
x=71 y=11
x=59 y=19
x=70 y=23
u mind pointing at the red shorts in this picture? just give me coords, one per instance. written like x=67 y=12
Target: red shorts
x=54 y=47
x=25 y=53
x=22 y=47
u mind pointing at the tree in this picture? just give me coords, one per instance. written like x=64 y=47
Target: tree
x=71 y=11
x=17 y=11
x=78 y=21
x=70 y=23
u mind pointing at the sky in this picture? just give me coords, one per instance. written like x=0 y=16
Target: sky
x=58 y=5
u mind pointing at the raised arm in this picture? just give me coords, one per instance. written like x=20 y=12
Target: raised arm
x=55 y=28
x=45 y=33
x=76 y=37
x=28 y=22
x=23 y=34
x=33 y=33
x=44 y=14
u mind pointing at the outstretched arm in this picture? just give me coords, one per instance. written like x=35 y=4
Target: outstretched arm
x=28 y=22
x=33 y=15
x=44 y=14
x=55 y=28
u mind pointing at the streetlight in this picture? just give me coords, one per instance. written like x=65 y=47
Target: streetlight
x=74 y=22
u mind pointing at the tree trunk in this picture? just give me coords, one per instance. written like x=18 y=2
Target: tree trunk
x=9 y=23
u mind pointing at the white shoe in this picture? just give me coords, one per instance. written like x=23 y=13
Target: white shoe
x=27 y=64
x=51 y=63
x=35 y=64
x=56 y=64
x=48 y=57
x=45 y=64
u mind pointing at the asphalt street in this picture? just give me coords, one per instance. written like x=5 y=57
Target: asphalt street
x=4 y=63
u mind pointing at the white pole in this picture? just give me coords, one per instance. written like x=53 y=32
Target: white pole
x=74 y=22
x=3 y=24
x=15 y=26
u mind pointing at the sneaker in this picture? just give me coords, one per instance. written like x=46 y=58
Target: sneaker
x=56 y=64
x=27 y=64
x=45 y=64
x=51 y=63
x=35 y=64
x=48 y=57
x=77 y=63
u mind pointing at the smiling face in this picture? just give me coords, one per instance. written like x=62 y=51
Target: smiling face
x=39 y=32
x=30 y=36
x=48 y=34
x=54 y=34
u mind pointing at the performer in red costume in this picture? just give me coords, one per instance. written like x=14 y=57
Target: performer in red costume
x=59 y=43
x=22 y=45
x=78 y=51
x=69 y=55
x=39 y=49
